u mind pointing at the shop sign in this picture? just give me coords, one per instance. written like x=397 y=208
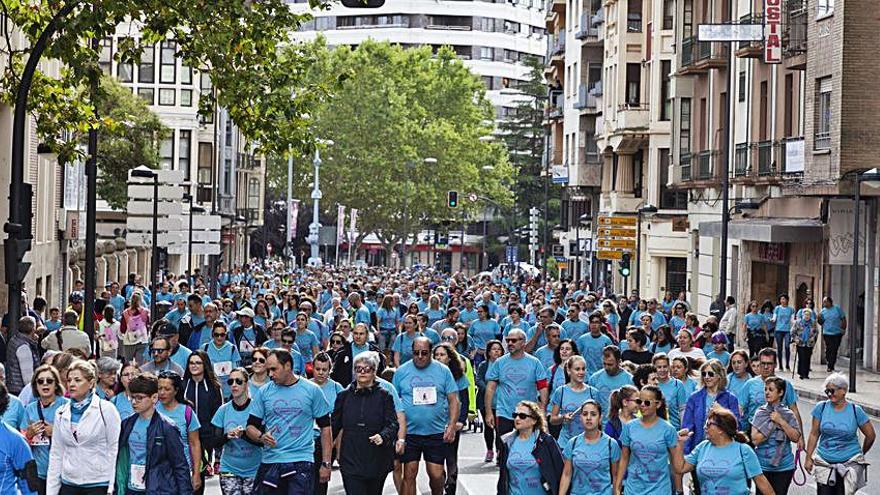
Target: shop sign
x=771 y=252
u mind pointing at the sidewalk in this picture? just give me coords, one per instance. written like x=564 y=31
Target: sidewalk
x=867 y=384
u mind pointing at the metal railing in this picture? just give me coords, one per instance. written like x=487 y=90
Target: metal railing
x=685 y=164
x=795 y=35
x=586 y=28
x=704 y=164
x=750 y=19
x=693 y=51
x=687 y=51
x=764 y=151
x=741 y=160
x=634 y=23
x=822 y=140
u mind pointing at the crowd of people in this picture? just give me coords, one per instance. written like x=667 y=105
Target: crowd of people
x=267 y=378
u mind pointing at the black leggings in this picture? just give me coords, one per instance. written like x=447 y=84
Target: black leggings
x=838 y=488
x=365 y=486
x=780 y=481
x=832 y=345
x=488 y=433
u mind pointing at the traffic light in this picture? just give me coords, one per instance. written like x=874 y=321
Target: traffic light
x=452 y=199
x=623 y=265
x=14 y=251
x=363 y=4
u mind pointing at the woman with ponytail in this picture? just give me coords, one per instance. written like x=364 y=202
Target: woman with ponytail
x=623 y=410
x=649 y=445
x=724 y=446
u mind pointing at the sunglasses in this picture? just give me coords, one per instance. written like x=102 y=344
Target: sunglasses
x=646 y=403
x=219 y=334
x=45 y=381
x=830 y=391
x=363 y=369
x=520 y=415
x=156 y=350
x=260 y=360
x=708 y=374
x=421 y=353
x=448 y=338
x=336 y=342
x=711 y=423
x=287 y=341
x=512 y=341
x=235 y=381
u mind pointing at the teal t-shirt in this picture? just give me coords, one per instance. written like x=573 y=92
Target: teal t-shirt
x=40 y=445
x=240 y=457
x=517 y=381
x=648 y=470
x=676 y=396
x=591 y=349
x=178 y=415
x=591 y=464
x=123 y=405
x=724 y=470
x=754 y=395
x=568 y=401
x=832 y=320
x=839 y=431
x=14 y=412
x=403 y=344
x=137 y=445
x=424 y=394
x=606 y=384
x=288 y=412
x=722 y=356
x=482 y=331
x=783 y=315
x=574 y=329
x=523 y=469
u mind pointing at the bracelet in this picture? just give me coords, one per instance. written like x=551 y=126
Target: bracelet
x=400 y=440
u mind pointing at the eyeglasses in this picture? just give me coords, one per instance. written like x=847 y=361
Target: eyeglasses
x=646 y=403
x=218 y=334
x=421 y=353
x=156 y=350
x=260 y=360
x=45 y=381
x=520 y=415
x=512 y=341
x=336 y=342
x=139 y=397
x=363 y=369
x=447 y=338
x=708 y=374
x=711 y=423
x=768 y=363
x=235 y=381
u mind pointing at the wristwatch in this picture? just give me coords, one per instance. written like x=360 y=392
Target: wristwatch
x=325 y=464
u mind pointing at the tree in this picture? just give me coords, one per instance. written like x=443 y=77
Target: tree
x=395 y=108
x=524 y=136
x=237 y=42
x=130 y=143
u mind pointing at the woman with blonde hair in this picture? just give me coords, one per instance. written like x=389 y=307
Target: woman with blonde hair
x=713 y=389
x=134 y=326
x=85 y=428
x=530 y=459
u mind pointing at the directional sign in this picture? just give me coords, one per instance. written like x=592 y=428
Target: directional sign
x=199 y=222
x=206 y=236
x=626 y=244
x=610 y=232
x=164 y=239
x=206 y=249
x=617 y=221
x=170 y=193
x=145 y=224
x=165 y=177
x=145 y=208
x=609 y=255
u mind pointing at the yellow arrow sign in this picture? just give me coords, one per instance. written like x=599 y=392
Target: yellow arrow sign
x=617 y=221
x=626 y=244
x=611 y=232
x=609 y=255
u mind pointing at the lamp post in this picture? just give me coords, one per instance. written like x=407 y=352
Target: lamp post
x=315 y=226
x=644 y=210
x=145 y=173
x=410 y=166
x=584 y=219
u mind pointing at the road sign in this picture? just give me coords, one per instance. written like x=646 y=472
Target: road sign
x=628 y=244
x=617 y=221
x=205 y=249
x=164 y=239
x=206 y=236
x=145 y=224
x=730 y=32
x=199 y=222
x=169 y=193
x=511 y=254
x=145 y=208
x=611 y=232
x=609 y=255
x=165 y=177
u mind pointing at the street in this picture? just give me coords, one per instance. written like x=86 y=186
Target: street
x=477 y=477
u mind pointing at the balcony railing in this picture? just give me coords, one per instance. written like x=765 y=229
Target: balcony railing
x=795 y=34
x=685 y=164
x=598 y=19
x=585 y=100
x=704 y=164
x=586 y=30
x=766 y=165
x=741 y=160
x=822 y=140
x=596 y=89
x=634 y=23
x=694 y=52
x=750 y=19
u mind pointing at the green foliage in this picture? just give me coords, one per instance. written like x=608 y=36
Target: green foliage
x=395 y=108
x=237 y=42
x=128 y=142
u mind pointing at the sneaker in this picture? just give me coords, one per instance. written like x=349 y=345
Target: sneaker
x=490 y=454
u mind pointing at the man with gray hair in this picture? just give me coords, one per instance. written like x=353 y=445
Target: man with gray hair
x=69 y=336
x=22 y=355
x=516 y=376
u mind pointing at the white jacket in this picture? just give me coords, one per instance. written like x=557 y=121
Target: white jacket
x=90 y=456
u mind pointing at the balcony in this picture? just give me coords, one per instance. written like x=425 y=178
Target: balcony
x=552 y=9
x=763 y=162
x=685 y=164
x=750 y=49
x=632 y=116
x=599 y=18
x=698 y=57
x=554 y=108
x=586 y=101
x=794 y=34
x=587 y=32
x=557 y=49
x=741 y=160
x=704 y=165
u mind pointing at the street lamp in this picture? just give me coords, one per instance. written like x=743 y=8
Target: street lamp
x=315 y=226
x=146 y=173
x=584 y=219
x=648 y=209
x=410 y=166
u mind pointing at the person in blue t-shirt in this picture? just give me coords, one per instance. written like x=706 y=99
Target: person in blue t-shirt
x=529 y=458
x=723 y=463
x=833 y=321
x=781 y=319
x=39 y=415
x=719 y=348
x=649 y=444
x=306 y=340
x=282 y=419
x=224 y=355
x=241 y=458
x=431 y=405
x=610 y=378
x=591 y=346
x=174 y=406
x=545 y=354
x=774 y=427
x=834 y=436
x=515 y=377
x=674 y=392
x=482 y=330
x=402 y=346
x=388 y=318
x=574 y=327
x=754 y=391
x=590 y=458
x=566 y=401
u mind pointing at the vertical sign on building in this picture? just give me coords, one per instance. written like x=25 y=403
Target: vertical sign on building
x=352 y=225
x=772 y=31
x=294 y=212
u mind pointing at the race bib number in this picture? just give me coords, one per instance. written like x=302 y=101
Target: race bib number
x=39 y=440
x=424 y=396
x=222 y=368
x=136 y=477
x=245 y=347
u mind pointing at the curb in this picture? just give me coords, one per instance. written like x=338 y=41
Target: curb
x=870 y=409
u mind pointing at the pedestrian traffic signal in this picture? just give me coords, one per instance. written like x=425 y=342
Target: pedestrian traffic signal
x=14 y=251
x=623 y=265
x=452 y=199
x=363 y=4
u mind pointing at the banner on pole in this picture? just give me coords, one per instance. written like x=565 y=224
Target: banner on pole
x=352 y=224
x=294 y=212
x=340 y=224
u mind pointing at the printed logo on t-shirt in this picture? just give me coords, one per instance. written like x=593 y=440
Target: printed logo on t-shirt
x=524 y=477
x=288 y=411
x=646 y=453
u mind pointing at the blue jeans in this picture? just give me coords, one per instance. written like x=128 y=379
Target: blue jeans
x=291 y=478
x=783 y=344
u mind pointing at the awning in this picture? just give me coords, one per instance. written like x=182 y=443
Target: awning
x=768 y=229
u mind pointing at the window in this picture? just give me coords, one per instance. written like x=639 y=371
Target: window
x=670 y=199
x=205 y=81
x=676 y=275
x=668 y=14
x=148 y=95
x=186 y=75
x=487 y=24
x=166 y=153
x=634 y=16
x=166 y=97
x=186 y=98
x=788 y=119
x=489 y=82
x=633 y=84
x=168 y=72
x=105 y=58
x=684 y=140
x=823 y=114
x=741 y=89
x=185 y=151
x=666 y=107
x=487 y=53
x=763 y=109
x=124 y=72
x=147 y=65
x=824 y=8
x=687 y=21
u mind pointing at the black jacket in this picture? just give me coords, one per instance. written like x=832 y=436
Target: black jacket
x=167 y=469
x=547 y=454
x=360 y=414
x=343 y=363
x=206 y=400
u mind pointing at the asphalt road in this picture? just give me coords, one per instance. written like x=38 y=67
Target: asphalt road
x=478 y=478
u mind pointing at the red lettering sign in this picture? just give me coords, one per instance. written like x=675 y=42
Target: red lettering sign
x=772 y=31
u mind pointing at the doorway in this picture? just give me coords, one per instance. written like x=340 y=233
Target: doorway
x=768 y=281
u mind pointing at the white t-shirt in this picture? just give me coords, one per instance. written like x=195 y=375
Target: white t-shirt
x=695 y=353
